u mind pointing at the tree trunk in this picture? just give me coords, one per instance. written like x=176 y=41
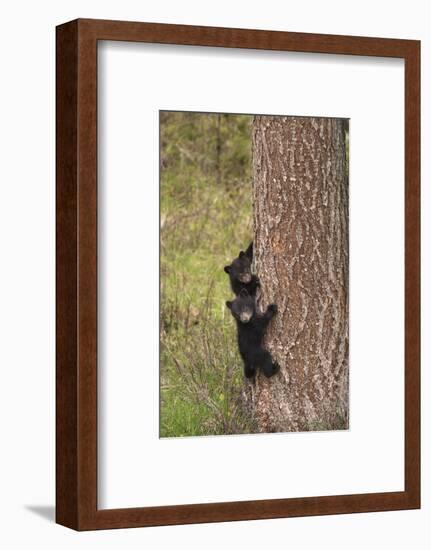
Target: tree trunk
x=300 y=204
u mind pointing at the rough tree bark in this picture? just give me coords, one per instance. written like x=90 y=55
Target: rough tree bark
x=300 y=205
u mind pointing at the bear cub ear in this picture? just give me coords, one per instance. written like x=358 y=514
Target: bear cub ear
x=249 y=251
x=241 y=253
x=229 y=305
x=227 y=268
x=244 y=293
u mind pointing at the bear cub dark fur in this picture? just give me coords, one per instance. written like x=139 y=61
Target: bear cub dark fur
x=240 y=274
x=251 y=326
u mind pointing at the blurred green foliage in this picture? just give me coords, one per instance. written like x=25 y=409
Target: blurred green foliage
x=205 y=218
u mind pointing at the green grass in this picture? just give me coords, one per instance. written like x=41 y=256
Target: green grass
x=205 y=221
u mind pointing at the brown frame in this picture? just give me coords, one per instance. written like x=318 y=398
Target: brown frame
x=76 y=374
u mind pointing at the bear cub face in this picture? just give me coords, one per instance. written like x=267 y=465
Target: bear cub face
x=243 y=307
x=240 y=274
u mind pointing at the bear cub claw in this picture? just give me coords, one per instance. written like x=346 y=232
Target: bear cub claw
x=273 y=308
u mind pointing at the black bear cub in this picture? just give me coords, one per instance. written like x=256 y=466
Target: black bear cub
x=240 y=274
x=251 y=328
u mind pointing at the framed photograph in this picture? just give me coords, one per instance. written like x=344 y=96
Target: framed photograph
x=238 y=276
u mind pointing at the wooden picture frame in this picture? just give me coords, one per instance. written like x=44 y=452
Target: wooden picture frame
x=76 y=248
